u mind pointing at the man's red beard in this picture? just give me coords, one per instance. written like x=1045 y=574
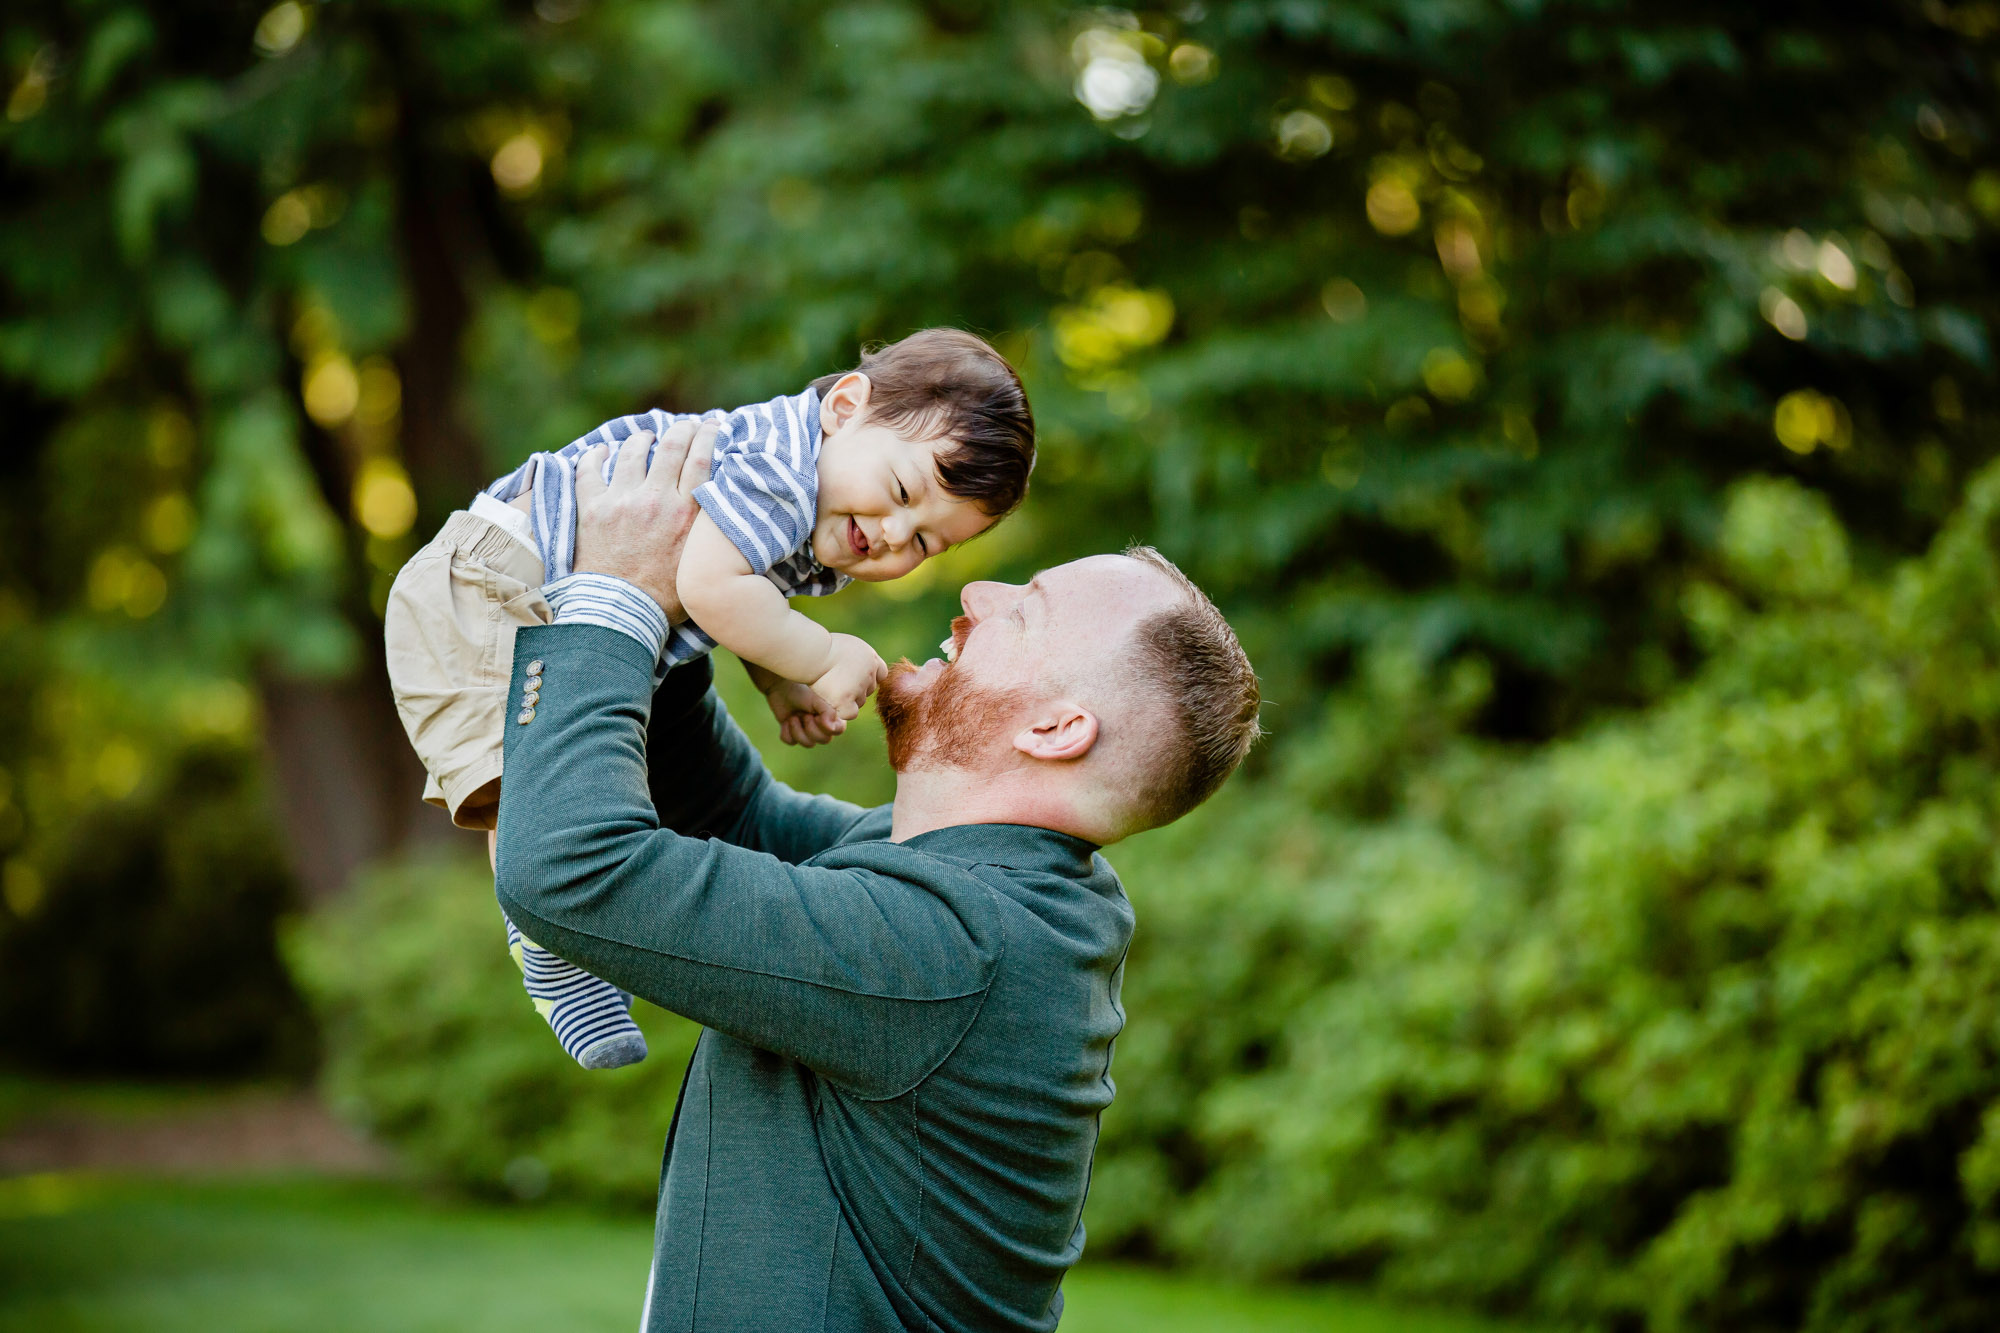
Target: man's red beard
x=953 y=717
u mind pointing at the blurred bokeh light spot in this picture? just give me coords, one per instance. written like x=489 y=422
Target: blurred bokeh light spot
x=31 y=94
x=21 y=886
x=1480 y=301
x=1449 y=375
x=331 y=389
x=1113 y=77
x=296 y=212
x=517 y=164
x=1116 y=320
x=384 y=501
x=1584 y=205
x=1805 y=419
x=1392 y=208
x=1343 y=301
x=1984 y=192
x=1332 y=91
x=287 y=219
x=123 y=580
x=219 y=708
x=379 y=392
x=169 y=437
x=1796 y=250
x=1191 y=62
x=1341 y=463
x=1836 y=266
x=282 y=28
x=1458 y=248
x=119 y=770
x=1407 y=413
x=1303 y=136
x=169 y=523
x=1782 y=313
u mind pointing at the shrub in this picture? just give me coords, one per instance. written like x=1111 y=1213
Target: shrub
x=433 y=1047
x=1691 y=1022
x=148 y=948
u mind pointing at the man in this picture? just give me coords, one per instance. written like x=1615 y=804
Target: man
x=889 y=1121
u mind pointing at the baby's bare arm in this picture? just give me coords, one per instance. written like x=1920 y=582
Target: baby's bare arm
x=744 y=611
x=763 y=678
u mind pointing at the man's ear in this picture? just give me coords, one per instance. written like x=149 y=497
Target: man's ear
x=847 y=399
x=1065 y=732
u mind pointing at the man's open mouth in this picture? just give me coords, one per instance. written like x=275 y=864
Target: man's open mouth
x=857 y=540
x=961 y=628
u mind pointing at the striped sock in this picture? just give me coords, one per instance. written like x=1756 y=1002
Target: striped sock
x=591 y=1017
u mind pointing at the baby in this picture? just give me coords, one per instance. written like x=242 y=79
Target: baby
x=926 y=444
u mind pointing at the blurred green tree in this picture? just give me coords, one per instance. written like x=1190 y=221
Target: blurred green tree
x=1429 y=335
x=1405 y=314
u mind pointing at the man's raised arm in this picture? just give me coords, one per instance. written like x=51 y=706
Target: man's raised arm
x=708 y=780
x=853 y=966
x=863 y=974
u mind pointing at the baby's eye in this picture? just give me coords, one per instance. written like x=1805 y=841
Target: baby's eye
x=902 y=492
x=923 y=547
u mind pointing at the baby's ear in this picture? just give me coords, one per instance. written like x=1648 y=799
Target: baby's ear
x=844 y=401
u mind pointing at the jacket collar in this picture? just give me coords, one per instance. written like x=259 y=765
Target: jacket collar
x=1016 y=846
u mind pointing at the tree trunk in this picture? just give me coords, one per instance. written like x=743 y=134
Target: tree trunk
x=348 y=784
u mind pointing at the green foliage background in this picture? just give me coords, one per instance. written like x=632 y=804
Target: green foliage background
x=1566 y=401
x=433 y=1046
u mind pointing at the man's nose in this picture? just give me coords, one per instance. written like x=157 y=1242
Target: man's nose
x=983 y=597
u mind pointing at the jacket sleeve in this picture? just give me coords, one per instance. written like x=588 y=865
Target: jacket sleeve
x=708 y=781
x=867 y=965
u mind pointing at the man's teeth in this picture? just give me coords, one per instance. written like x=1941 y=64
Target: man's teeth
x=950 y=650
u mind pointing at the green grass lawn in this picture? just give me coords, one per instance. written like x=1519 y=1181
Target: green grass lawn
x=80 y=1254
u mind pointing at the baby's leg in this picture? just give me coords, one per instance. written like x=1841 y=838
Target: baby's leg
x=591 y=1017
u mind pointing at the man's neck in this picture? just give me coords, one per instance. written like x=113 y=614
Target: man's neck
x=929 y=799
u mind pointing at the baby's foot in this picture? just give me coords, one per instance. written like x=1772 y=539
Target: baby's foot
x=591 y=1017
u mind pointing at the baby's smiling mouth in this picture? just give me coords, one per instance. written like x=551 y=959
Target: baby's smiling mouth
x=857 y=540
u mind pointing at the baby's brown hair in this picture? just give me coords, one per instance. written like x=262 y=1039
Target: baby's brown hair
x=951 y=384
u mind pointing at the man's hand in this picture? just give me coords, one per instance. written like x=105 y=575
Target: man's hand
x=804 y=718
x=634 y=528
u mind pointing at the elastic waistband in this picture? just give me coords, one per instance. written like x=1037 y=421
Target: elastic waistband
x=493 y=545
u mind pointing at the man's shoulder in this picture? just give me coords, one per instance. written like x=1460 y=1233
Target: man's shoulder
x=872 y=826
x=1014 y=851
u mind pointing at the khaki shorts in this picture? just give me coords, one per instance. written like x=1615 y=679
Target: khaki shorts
x=449 y=630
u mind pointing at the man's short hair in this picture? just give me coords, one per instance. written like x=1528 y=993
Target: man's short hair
x=950 y=384
x=1193 y=658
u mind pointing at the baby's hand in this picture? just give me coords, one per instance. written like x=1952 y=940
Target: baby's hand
x=803 y=717
x=852 y=677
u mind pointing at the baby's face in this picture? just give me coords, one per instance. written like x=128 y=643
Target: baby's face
x=882 y=511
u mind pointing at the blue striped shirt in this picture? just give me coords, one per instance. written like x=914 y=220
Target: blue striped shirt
x=762 y=491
